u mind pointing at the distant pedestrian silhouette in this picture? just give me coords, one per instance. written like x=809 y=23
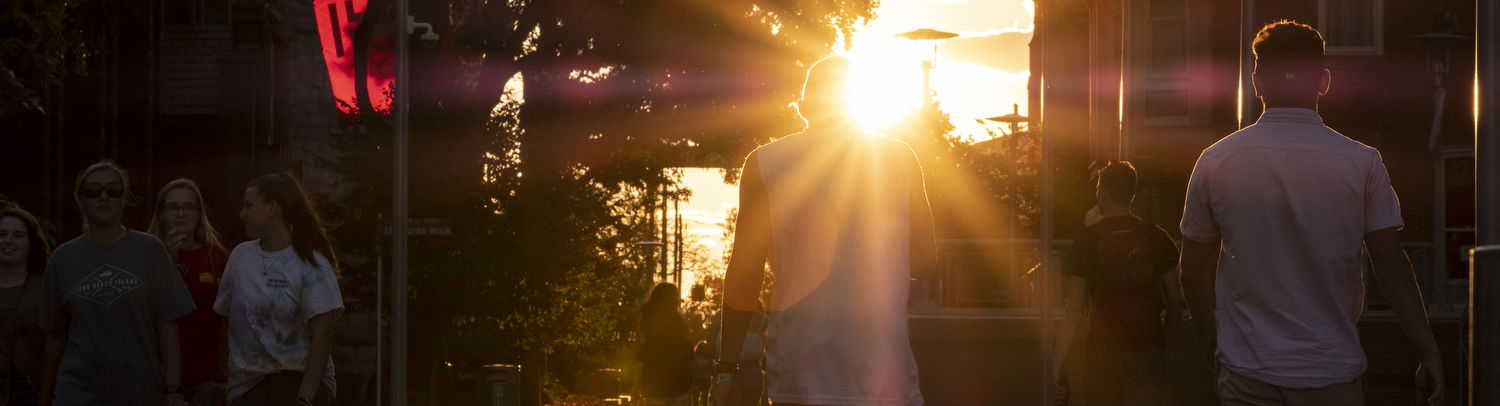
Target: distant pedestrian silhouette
x=1120 y=270
x=1276 y=215
x=666 y=352
x=843 y=219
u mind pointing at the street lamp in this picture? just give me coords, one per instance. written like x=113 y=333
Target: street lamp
x=1014 y=119
x=927 y=34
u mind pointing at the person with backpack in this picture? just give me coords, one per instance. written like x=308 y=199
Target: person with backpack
x=1121 y=267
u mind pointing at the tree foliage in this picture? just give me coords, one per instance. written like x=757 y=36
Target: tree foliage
x=544 y=128
x=41 y=41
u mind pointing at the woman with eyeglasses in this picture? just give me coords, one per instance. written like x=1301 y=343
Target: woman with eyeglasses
x=23 y=257
x=281 y=294
x=110 y=302
x=181 y=222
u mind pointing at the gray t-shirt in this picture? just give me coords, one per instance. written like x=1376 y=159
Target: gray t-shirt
x=110 y=299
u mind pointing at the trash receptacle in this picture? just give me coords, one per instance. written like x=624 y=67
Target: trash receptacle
x=503 y=382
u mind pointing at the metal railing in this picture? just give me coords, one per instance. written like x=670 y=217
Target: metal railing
x=1000 y=274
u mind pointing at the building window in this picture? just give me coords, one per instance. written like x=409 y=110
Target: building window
x=1352 y=27
x=1165 y=89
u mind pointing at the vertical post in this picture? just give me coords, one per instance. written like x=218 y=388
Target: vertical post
x=399 y=211
x=1247 y=102
x=1484 y=287
x=1045 y=247
x=927 y=82
x=379 y=329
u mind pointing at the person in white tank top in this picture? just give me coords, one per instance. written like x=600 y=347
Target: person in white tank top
x=843 y=219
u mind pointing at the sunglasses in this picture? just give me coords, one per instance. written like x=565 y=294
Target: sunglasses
x=95 y=190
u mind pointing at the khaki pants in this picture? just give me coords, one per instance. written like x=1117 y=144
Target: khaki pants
x=1235 y=390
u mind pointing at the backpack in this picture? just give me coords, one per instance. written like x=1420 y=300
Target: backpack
x=1126 y=288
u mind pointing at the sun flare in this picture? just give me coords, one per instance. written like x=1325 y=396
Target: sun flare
x=885 y=82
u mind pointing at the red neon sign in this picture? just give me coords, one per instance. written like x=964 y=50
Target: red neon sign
x=337 y=20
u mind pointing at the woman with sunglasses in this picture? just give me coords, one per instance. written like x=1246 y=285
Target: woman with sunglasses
x=110 y=302
x=181 y=222
x=23 y=257
x=281 y=294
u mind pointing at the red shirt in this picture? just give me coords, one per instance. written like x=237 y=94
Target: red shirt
x=200 y=333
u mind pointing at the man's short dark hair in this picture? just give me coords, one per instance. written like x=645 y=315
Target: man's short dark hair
x=1118 y=180
x=1288 y=62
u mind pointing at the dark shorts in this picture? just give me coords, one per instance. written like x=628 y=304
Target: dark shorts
x=281 y=389
x=1124 y=377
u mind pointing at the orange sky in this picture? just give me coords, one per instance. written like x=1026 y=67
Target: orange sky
x=981 y=73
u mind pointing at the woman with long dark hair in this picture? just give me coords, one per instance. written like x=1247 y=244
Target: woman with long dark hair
x=23 y=258
x=181 y=222
x=666 y=352
x=281 y=294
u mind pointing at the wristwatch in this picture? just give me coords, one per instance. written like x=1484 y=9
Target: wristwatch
x=303 y=400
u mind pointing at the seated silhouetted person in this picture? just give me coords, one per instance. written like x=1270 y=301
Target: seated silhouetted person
x=1276 y=216
x=843 y=219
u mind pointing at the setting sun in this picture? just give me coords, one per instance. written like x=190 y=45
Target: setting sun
x=885 y=82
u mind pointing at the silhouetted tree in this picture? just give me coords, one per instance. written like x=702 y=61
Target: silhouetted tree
x=543 y=128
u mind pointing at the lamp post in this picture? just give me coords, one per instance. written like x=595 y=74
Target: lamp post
x=1439 y=45
x=927 y=34
x=1014 y=119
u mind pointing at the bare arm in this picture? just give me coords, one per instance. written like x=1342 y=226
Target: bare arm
x=1200 y=264
x=51 y=357
x=1077 y=303
x=747 y=261
x=923 y=235
x=1393 y=272
x=317 y=355
x=1173 y=292
x=171 y=353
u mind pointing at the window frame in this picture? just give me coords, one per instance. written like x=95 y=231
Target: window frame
x=1377 y=26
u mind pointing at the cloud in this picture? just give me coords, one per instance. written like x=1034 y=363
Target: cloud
x=1005 y=50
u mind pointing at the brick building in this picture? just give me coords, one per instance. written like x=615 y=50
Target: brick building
x=220 y=91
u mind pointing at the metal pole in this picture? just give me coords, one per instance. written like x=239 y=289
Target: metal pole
x=399 y=211
x=1247 y=100
x=379 y=329
x=1045 y=246
x=1484 y=287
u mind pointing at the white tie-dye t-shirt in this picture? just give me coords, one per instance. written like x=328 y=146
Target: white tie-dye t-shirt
x=269 y=297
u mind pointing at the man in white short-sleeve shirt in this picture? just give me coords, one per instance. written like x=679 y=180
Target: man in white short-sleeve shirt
x=1275 y=218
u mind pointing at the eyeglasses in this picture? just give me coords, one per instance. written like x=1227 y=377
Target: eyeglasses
x=171 y=207
x=95 y=190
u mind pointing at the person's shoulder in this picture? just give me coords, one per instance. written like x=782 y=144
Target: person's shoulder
x=247 y=247
x=141 y=237
x=73 y=245
x=322 y=261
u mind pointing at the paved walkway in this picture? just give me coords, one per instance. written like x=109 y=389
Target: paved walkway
x=985 y=359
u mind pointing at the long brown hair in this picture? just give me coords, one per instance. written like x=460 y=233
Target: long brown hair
x=204 y=233
x=40 y=249
x=309 y=233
